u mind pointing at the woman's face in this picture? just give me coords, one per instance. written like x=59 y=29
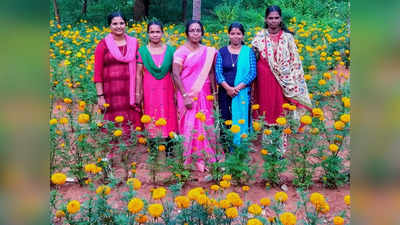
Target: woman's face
x=273 y=20
x=194 y=33
x=235 y=36
x=155 y=34
x=117 y=26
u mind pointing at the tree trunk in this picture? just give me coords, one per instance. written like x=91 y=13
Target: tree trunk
x=196 y=10
x=141 y=9
x=84 y=8
x=56 y=12
x=184 y=6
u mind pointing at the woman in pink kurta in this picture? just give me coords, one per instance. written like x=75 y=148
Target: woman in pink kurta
x=194 y=78
x=154 y=83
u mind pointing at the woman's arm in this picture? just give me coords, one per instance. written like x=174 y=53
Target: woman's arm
x=98 y=74
x=139 y=84
x=176 y=71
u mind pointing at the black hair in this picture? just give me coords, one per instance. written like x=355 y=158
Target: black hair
x=275 y=8
x=190 y=22
x=155 y=22
x=238 y=26
x=115 y=14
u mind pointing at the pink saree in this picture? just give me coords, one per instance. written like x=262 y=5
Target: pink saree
x=195 y=69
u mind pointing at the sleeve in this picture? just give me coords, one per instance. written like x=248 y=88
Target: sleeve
x=179 y=56
x=99 y=62
x=219 y=70
x=253 y=69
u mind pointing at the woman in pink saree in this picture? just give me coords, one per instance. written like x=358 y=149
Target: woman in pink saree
x=194 y=78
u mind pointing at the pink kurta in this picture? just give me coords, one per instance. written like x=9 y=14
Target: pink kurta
x=189 y=126
x=159 y=100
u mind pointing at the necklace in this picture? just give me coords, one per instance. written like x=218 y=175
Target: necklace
x=233 y=63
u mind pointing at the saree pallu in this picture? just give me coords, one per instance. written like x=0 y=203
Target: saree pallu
x=194 y=75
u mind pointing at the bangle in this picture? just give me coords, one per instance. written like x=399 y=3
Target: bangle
x=184 y=95
x=100 y=95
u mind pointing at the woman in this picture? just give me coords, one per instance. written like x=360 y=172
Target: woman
x=154 y=82
x=280 y=76
x=235 y=70
x=194 y=78
x=115 y=73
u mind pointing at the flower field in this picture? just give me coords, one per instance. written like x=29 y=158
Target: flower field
x=140 y=185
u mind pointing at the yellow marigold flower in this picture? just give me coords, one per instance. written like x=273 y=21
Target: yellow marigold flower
x=237 y=202
x=306 y=119
x=317 y=112
x=267 y=131
x=235 y=129
x=119 y=119
x=155 y=210
x=317 y=199
x=254 y=209
x=141 y=218
x=285 y=105
x=201 y=199
x=172 y=134
x=53 y=121
x=135 y=205
x=327 y=75
x=210 y=97
x=231 y=213
x=83 y=118
x=159 y=193
x=103 y=190
x=195 y=98
x=312 y=67
x=241 y=121
x=161 y=148
x=307 y=77
x=106 y=105
x=281 y=120
x=145 y=119
x=161 y=122
x=255 y=106
x=195 y=192
x=347 y=200
x=254 y=221
x=142 y=140
x=200 y=137
x=58 y=132
x=244 y=136
x=136 y=184
x=333 y=148
x=346 y=102
x=322 y=82
x=182 y=202
x=200 y=116
x=82 y=105
x=265 y=201
x=58 y=178
x=339 y=125
x=337 y=220
x=224 y=204
x=292 y=107
x=287 y=218
x=214 y=187
x=228 y=122
x=281 y=196
x=264 y=151
x=73 y=206
x=245 y=188
x=227 y=177
x=256 y=126
x=100 y=124
x=138 y=128
x=325 y=207
x=345 y=118
x=60 y=213
x=225 y=184
x=64 y=120
x=117 y=133
x=67 y=100
x=287 y=130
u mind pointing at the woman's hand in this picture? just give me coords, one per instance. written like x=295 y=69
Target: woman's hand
x=231 y=91
x=188 y=101
x=138 y=100
x=100 y=102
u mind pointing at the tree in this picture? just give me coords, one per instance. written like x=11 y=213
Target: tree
x=196 y=10
x=184 y=6
x=141 y=9
x=56 y=12
x=84 y=8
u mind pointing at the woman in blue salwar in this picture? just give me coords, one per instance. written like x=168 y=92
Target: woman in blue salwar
x=235 y=70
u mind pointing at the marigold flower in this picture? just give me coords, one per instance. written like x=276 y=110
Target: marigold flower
x=317 y=112
x=106 y=105
x=254 y=209
x=292 y=107
x=327 y=75
x=135 y=205
x=145 y=119
x=64 y=120
x=241 y=121
x=142 y=140
x=325 y=207
x=337 y=220
x=287 y=130
x=345 y=118
x=119 y=119
x=195 y=192
x=117 y=133
x=83 y=118
x=281 y=120
x=322 y=82
x=346 y=102
x=317 y=199
x=202 y=199
x=347 y=200
x=214 y=187
x=58 y=178
x=235 y=129
x=136 y=184
x=67 y=100
x=264 y=151
x=210 y=97
x=243 y=136
x=254 y=221
x=333 y=148
x=182 y=202
x=285 y=105
x=255 y=107
x=267 y=131
x=256 y=126
x=103 y=190
x=200 y=116
x=287 y=218
x=159 y=193
x=53 y=121
x=231 y=213
x=100 y=124
x=281 y=196
x=265 y=201
x=200 y=137
x=141 y=218
x=161 y=148
x=339 y=125
x=155 y=210
x=224 y=204
x=60 y=213
x=228 y=122
x=307 y=77
x=73 y=207
x=306 y=119
x=161 y=122
x=225 y=184
x=245 y=188
x=227 y=177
